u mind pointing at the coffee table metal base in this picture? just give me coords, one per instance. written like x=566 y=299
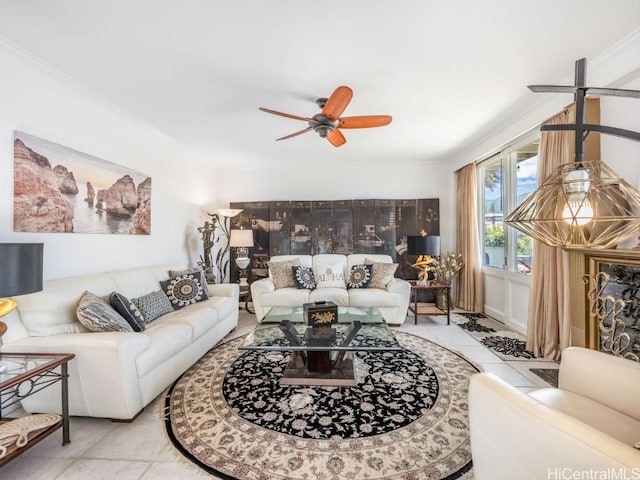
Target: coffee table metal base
x=298 y=374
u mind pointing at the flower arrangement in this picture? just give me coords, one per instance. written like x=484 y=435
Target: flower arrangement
x=446 y=267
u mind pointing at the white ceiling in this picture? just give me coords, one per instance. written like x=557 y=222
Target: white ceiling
x=198 y=70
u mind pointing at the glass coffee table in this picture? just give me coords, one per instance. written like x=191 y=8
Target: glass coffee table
x=322 y=356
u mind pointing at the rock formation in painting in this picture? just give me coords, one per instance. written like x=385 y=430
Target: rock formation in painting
x=91 y=193
x=122 y=199
x=66 y=180
x=38 y=204
x=142 y=217
x=101 y=199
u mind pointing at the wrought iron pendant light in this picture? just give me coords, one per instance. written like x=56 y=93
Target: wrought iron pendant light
x=583 y=204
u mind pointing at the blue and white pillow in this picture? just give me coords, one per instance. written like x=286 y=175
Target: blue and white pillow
x=303 y=277
x=153 y=305
x=360 y=276
x=183 y=290
x=128 y=310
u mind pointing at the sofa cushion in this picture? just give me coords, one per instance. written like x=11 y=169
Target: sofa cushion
x=337 y=295
x=282 y=274
x=166 y=339
x=98 y=316
x=184 y=290
x=373 y=297
x=328 y=272
x=128 y=310
x=303 y=276
x=286 y=297
x=153 y=305
x=360 y=276
x=381 y=273
x=599 y=416
x=198 y=274
x=200 y=317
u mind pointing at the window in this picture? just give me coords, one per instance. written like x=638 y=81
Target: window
x=508 y=178
x=493 y=214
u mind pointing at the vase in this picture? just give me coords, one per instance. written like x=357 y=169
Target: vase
x=442 y=299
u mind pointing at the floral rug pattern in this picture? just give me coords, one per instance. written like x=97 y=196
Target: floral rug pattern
x=406 y=419
x=506 y=344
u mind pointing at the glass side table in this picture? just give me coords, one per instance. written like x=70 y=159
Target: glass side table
x=429 y=309
x=22 y=375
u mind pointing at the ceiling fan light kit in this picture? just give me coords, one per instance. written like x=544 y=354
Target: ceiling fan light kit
x=327 y=123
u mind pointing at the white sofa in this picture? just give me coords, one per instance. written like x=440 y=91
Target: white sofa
x=392 y=301
x=588 y=424
x=115 y=374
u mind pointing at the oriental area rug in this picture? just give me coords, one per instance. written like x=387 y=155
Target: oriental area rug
x=405 y=419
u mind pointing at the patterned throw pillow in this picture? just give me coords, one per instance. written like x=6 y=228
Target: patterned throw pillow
x=282 y=274
x=199 y=275
x=183 y=290
x=330 y=275
x=381 y=273
x=153 y=305
x=128 y=310
x=304 y=278
x=360 y=276
x=98 y=316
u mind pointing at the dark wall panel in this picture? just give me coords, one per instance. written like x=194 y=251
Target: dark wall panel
x=335 y=226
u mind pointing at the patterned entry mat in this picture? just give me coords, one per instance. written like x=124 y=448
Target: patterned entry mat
x=505 y=343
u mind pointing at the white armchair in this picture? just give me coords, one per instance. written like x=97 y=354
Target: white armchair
x=590 y=423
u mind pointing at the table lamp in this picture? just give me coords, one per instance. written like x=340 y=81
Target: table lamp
x=20 y=273
x=425 y=247
x=242 y=240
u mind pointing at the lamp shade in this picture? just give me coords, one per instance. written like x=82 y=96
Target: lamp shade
x=241 y=238
x=423 y=245
x=20 y=268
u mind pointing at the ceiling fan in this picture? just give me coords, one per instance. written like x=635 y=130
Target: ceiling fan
x=328 y=122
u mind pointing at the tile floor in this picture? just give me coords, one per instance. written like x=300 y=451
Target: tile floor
x=139 y=450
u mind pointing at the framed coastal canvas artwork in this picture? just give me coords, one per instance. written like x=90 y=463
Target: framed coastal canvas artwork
x=61 y=190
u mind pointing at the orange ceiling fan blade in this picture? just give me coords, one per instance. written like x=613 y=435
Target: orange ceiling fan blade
x=365 y=121
x=288 y=115
x=336 y=138
x=337 y=103
x=295 y=134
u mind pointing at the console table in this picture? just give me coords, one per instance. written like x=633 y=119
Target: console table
x=22 y=375
x=429 y=309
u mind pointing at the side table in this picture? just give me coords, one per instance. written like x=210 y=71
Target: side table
x=34 y=372
x=429 y=309
x=245 y=294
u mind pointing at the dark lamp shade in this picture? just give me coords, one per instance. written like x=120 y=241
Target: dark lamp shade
x=424 y=245
x=20 y=268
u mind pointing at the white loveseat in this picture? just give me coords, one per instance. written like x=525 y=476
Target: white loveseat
x=585 y=428
x=116 y=374
x=392 y=301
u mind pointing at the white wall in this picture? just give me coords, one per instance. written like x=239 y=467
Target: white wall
x=38 y=101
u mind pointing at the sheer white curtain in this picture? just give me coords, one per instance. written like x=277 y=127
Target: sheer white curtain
x=549 y=322
x=470 y=288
